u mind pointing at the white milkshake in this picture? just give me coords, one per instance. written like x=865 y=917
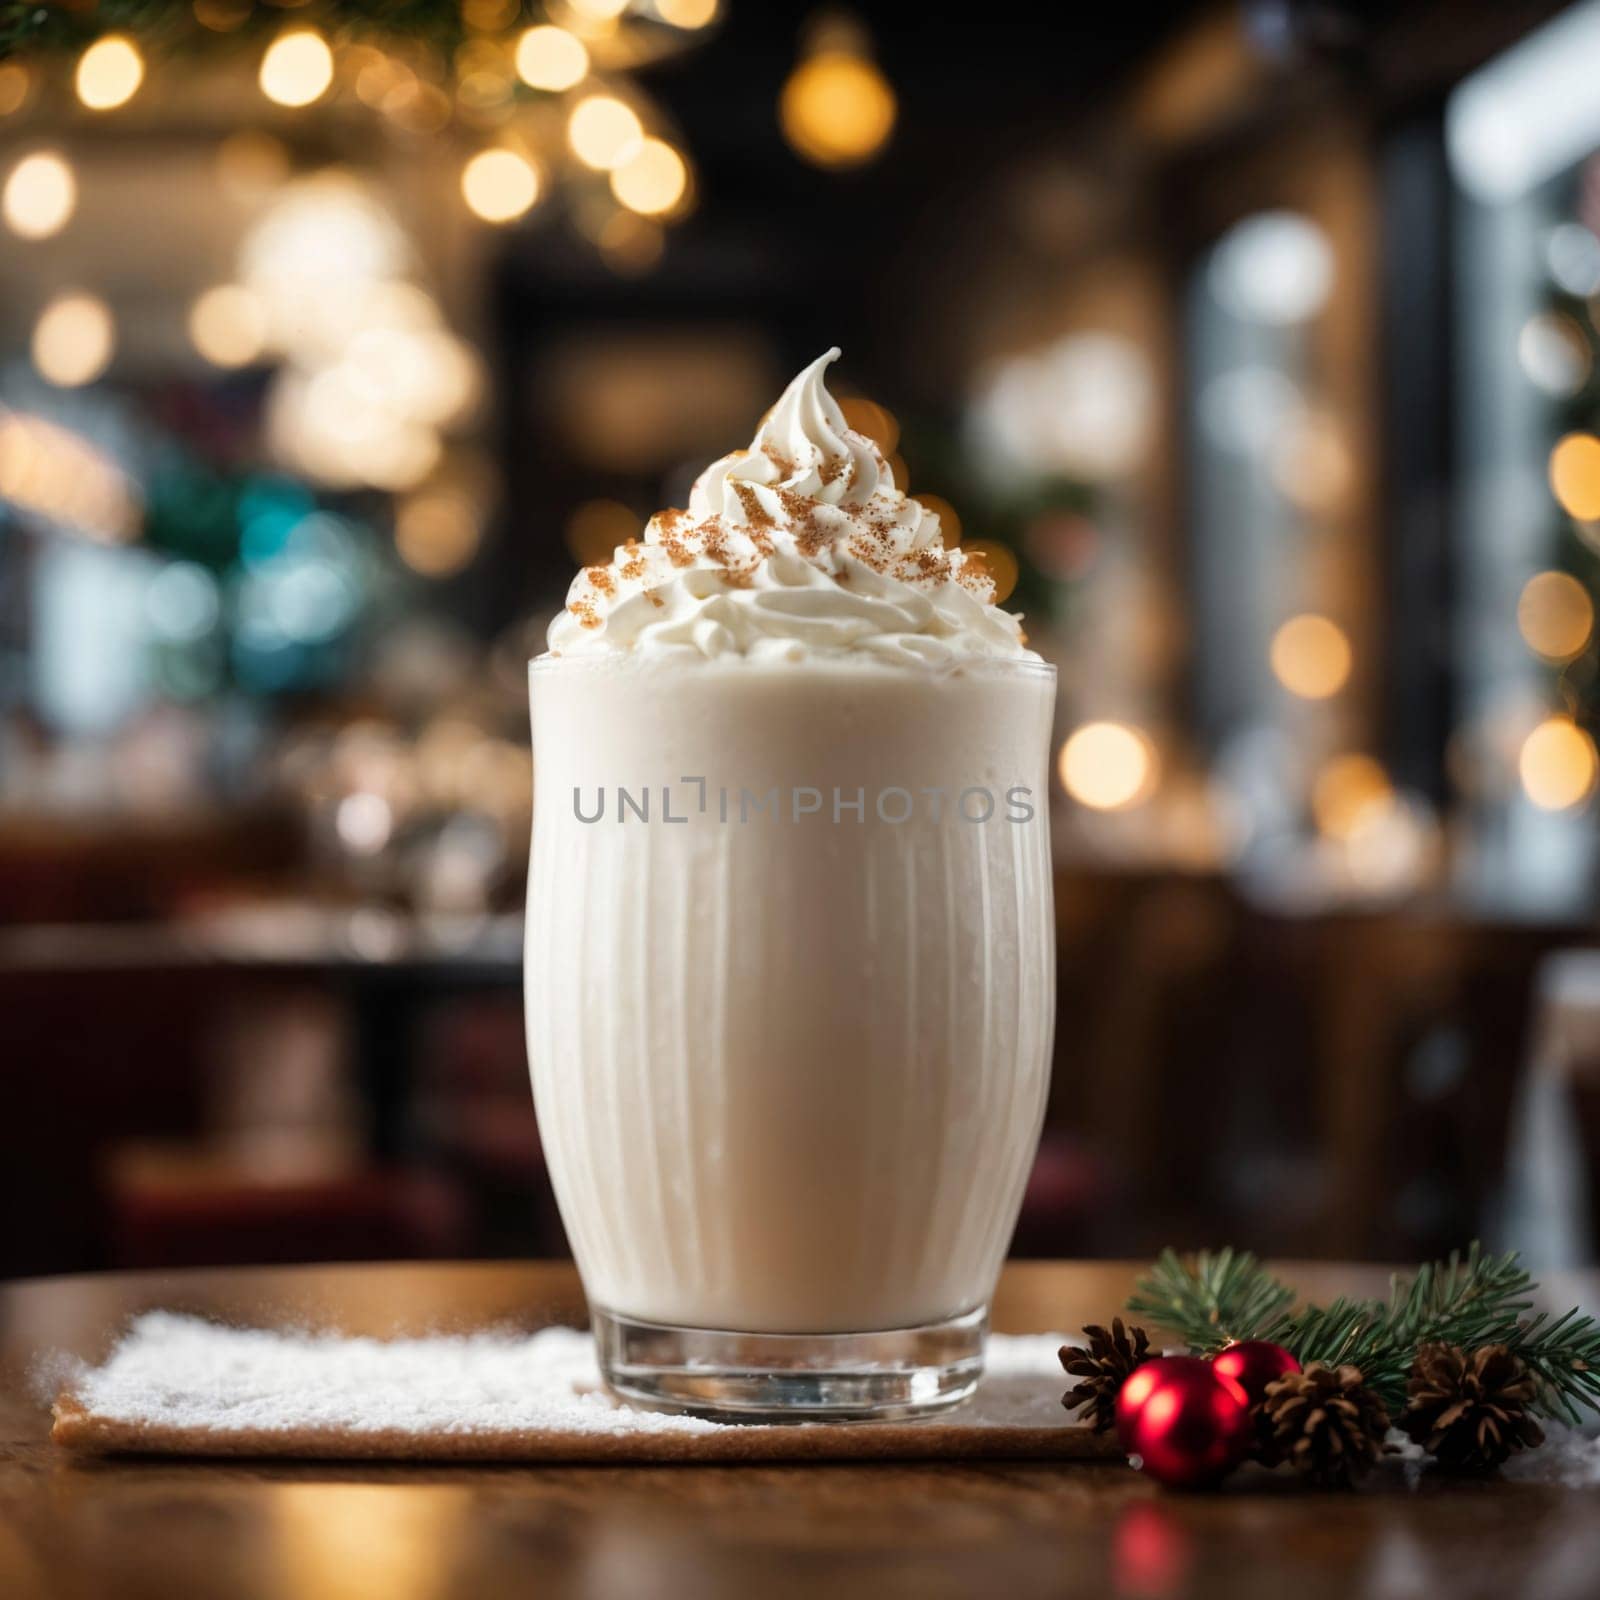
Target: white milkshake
x=790 y=964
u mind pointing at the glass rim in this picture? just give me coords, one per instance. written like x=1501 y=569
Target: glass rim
x=1004 y=666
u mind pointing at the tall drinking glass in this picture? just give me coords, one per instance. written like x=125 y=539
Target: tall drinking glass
x=790 y=995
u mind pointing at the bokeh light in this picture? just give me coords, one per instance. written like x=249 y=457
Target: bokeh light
x=182 y=603
x=16 y=85
x=687 y=13
x=228 y=325
x=490 y=16
x=1555 y=615
x=364 y=822
x=551 y=58
x=1554 y=353
x=223 y=16
x=1557 y=764
x=499 y=185
x=873 y=421
x=652 y=180
x=837 y=109
x=1575 y=475
x=1311 y=465
x=74 y=339
x=603 y=131
x=1107 y=766
x=1062 y=544
x=55 y=473
x=1083 y=406
x=1573 y=256
x=631 y=244
x=1311 y=657
x=324 y=256
x=1274 y=268
x=436 y=531
x=425 y=372
x=1348 y=792
x=949 y=517
x=109 y=73
x=251 y=163
x=297 y=68
x=40 y=195
x=997 y=561
x=596 y=529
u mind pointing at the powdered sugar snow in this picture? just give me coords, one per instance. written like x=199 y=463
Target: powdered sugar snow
x=177 y=1382
x=177 y=1371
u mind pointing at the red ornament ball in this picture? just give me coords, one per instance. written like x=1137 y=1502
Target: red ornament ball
x=1186 y=1424
x=1253 y=1364
x=1131 y=1397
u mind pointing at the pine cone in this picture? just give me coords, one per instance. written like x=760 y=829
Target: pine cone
x=1469 y=1410
x=1104 y=1367
x=1325 y=1422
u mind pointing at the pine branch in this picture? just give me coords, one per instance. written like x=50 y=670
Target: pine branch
x=1473 y=1302
x=1212 y=1299
x=1565 y=1355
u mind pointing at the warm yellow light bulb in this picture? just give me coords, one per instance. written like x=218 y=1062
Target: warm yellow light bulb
x=837 y=109
x=551 y=58
x=603 y=131
x=109 y=73
x=499 y=185
x=652 y=180
x=297 y=68
x=40 y=195
x=1558 y=764
x=73 y=340
x=1311 y=657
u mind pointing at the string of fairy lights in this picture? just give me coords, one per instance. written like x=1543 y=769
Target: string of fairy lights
x=535 y=104
x=542 y=101
x=537 y=100
x=540 y=97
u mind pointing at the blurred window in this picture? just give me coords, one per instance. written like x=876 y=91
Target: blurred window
x=1257 y=431
x=1523 y=142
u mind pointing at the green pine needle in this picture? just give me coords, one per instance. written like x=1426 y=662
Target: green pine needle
x=1213 y=1298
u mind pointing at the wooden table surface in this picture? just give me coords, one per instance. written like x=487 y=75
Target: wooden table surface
x=154 y=1530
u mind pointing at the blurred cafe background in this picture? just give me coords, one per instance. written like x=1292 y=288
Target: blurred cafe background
x=1253 y=345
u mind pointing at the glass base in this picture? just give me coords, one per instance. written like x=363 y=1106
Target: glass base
x=792 y=1377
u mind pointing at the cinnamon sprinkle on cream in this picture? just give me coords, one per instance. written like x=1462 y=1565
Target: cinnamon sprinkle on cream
x=811 y=505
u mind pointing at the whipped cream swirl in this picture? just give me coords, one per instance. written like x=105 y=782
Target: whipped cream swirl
x=801 y=544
